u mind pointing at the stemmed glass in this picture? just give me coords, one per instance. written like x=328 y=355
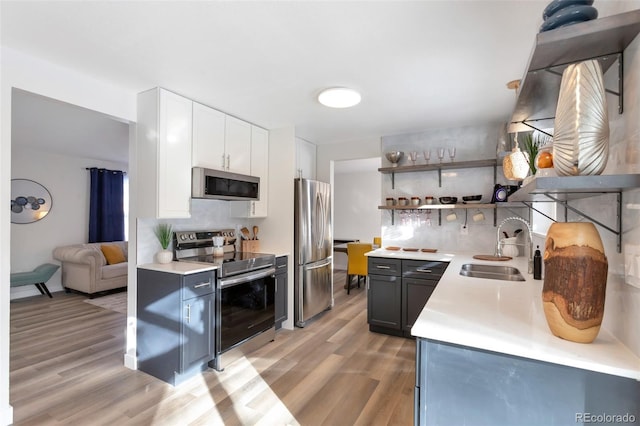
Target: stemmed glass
x=440 y=154
x=413 y=156
x=452 y=153
x=427 y=155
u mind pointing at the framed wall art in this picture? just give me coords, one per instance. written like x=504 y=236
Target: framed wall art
x=30 y=201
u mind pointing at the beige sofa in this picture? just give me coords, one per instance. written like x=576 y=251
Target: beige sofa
x=85 y=269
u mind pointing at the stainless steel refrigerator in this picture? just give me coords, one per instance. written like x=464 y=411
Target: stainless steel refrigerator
x=313 y=254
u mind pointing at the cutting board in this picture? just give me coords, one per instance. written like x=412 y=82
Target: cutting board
x=491 y=257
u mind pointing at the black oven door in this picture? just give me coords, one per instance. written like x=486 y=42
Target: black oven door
x=245 y=307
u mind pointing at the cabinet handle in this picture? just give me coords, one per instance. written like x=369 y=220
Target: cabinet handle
x=281 y=266
x=383 y=267
x=204 y=284
x=223 y=167
x=228 y=161
x=253 y=206
x=426 y=271
x=188 y=318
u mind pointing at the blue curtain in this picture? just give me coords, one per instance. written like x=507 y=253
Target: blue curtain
x=106 y=209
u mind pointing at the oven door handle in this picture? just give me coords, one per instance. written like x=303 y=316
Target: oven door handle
x=244 y=278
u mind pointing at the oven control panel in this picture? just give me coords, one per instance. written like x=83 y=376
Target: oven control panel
x=203 y=239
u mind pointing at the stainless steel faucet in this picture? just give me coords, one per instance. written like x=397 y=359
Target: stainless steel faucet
x=498 y=251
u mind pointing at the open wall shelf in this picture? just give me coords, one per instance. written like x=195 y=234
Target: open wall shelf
x=562 y=189
x=603 y=39
x=439 y=167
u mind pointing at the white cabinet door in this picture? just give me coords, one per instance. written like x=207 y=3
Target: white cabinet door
x=238 y=145
x=174 y=156
x=163 y=155
x=208 y=137
x=260 y=168
x=305 y=159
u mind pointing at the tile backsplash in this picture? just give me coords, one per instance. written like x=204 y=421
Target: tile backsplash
x=433 y=229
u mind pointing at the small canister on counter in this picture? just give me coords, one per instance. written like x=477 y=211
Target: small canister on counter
x=403 y=201
x=415 y=201
x=391 y=201
x=428 y=200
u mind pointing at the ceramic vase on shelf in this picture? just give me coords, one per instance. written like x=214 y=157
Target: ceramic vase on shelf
x=164 y=256
x=581 y=134
x=575 y=281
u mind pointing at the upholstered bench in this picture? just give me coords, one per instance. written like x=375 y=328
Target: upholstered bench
x=37 y=277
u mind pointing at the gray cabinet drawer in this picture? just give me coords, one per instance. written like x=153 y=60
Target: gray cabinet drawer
x=423 y=269
x=198 y=284
x=384 y=266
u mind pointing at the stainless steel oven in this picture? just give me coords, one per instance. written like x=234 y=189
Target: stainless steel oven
x=245 y=312
x=245 y=293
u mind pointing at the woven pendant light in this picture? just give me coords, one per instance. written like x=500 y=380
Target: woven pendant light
x=515 y=166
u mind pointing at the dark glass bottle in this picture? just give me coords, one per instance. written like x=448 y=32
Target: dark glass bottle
x=537 y=264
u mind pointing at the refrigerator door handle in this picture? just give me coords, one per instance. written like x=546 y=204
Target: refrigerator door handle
x=318 y=266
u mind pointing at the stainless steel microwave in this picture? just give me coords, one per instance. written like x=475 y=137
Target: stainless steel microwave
x=221 y=185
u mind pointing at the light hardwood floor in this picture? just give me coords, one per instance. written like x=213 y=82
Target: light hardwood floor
x=67 y=368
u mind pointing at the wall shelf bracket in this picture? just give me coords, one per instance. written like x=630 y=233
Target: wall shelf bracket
x=617 y=231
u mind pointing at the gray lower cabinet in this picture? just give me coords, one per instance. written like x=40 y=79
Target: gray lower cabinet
x=175 y=329
x=398 y=289
x=458 y=385
x=281 y=296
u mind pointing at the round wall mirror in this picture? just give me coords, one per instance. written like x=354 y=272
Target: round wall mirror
x=30 y=201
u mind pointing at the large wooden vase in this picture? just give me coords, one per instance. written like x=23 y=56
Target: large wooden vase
x=575 y=279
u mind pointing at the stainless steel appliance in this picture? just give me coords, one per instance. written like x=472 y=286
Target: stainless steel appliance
x=313 y=253
x=245 y=292
x=221 y=185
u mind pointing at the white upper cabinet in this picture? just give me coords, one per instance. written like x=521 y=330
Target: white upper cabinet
x=208 y=137
x=305 y=159
x=260 y=168
x=237 y=145
x=164 y=154
x=220 y=142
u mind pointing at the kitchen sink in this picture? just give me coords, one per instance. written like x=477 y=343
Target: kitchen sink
x=492 y=272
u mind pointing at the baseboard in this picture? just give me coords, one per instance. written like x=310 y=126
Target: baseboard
x=130 y=361
x=6 y=413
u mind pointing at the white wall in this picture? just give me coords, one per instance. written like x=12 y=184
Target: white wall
x=41 y=77
x=68 y=221
x=622 y=308
x=354 y=150
x=276 y=231
x=355 y=210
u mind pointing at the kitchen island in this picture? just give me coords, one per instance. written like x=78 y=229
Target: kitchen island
x=485 y=355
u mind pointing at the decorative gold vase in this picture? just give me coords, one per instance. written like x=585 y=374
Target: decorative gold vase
x=575 y=280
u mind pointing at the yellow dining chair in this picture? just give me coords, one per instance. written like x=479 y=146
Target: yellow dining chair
x=357 y=262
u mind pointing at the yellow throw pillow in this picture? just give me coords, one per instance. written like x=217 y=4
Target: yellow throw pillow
x=113 y=253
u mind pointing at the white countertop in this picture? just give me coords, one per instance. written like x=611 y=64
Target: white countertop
x=507 y=317
x=181 y=268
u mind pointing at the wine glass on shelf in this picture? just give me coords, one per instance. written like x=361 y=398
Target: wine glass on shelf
x=452 y=153
x=413 y=156
x=427 y=155
x=440 y=154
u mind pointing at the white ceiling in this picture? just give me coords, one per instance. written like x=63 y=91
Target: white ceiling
x=418 y=65
x=58 y=127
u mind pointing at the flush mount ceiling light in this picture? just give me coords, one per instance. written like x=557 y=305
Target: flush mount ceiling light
x=339 y=97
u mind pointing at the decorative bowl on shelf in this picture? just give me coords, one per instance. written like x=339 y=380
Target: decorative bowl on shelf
x=394 y=157
x=448 y=200
x=471 y=198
